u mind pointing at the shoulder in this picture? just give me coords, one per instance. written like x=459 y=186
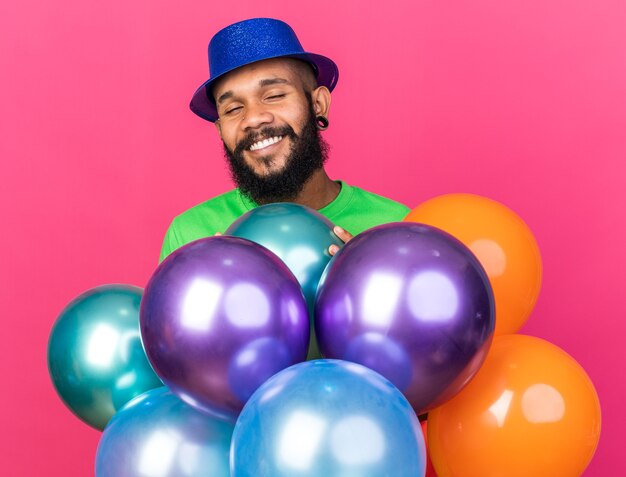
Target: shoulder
x=204 y=220
x=357 y=209
x=389 y=205
x=213 y=211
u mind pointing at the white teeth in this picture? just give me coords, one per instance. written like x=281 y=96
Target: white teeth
x=265 y=142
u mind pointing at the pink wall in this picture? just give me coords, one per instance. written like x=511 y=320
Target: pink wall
x=520 y=101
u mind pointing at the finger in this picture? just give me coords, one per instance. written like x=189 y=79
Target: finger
x=343 y=235
x=333 y=249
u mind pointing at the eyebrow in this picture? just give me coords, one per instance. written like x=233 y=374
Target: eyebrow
x=262 y=84
x=225 y=96
x=271 y=81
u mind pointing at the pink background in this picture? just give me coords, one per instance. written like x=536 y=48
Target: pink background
x=520 y=101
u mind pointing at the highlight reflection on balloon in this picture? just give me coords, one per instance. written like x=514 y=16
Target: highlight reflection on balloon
x=95 y=357
x=503 y=244
x=300 y=236
x=220 y=316
x=410 y=302
x=158 y=435
x=532 y=408
x=327 y=417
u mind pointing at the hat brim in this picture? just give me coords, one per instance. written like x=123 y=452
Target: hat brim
x=326 y=71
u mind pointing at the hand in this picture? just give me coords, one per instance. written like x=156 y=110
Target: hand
x=343 y=235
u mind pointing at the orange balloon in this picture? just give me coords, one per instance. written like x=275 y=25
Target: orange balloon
x=531 y=410
x=503 y=244
x=430 y=471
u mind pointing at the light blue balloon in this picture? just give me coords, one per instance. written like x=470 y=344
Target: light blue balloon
x=328 y=418
x=158 y=435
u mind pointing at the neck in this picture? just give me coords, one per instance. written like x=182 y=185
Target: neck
x=318 y=191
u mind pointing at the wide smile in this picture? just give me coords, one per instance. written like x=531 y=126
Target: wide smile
x=265 y=143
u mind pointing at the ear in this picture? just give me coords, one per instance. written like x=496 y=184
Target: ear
x=218 y=126
x=321 y=101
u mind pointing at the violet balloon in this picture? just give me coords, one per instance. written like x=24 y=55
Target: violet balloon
x=220 y=316
x=412 y=303
x=300 y=236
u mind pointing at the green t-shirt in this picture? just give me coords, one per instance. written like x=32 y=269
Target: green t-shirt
x=354 y=209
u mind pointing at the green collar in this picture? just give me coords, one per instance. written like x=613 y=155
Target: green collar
x=335 y=207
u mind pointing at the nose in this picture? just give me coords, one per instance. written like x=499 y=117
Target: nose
x=256 y=116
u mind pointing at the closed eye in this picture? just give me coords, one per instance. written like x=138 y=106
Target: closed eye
x=232 y=110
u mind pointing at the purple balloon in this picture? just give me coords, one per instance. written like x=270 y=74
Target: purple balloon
x=412 y=303
x=218 y=318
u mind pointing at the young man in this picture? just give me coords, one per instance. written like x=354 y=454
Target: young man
x=269 y=100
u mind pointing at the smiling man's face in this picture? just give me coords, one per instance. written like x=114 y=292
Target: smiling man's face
x=267 y=123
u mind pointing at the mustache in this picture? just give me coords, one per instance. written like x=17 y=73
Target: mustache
x=264 y=133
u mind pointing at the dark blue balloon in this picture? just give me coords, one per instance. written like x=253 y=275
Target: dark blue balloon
x=411 y=302
x=327 y=418
x=158 y=435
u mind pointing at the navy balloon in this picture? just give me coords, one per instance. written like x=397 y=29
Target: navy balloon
x=327 y=418
x=300 y=236
x=158 y=435
x=411 y=302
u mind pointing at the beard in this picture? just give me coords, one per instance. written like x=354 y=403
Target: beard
x=307 y=154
